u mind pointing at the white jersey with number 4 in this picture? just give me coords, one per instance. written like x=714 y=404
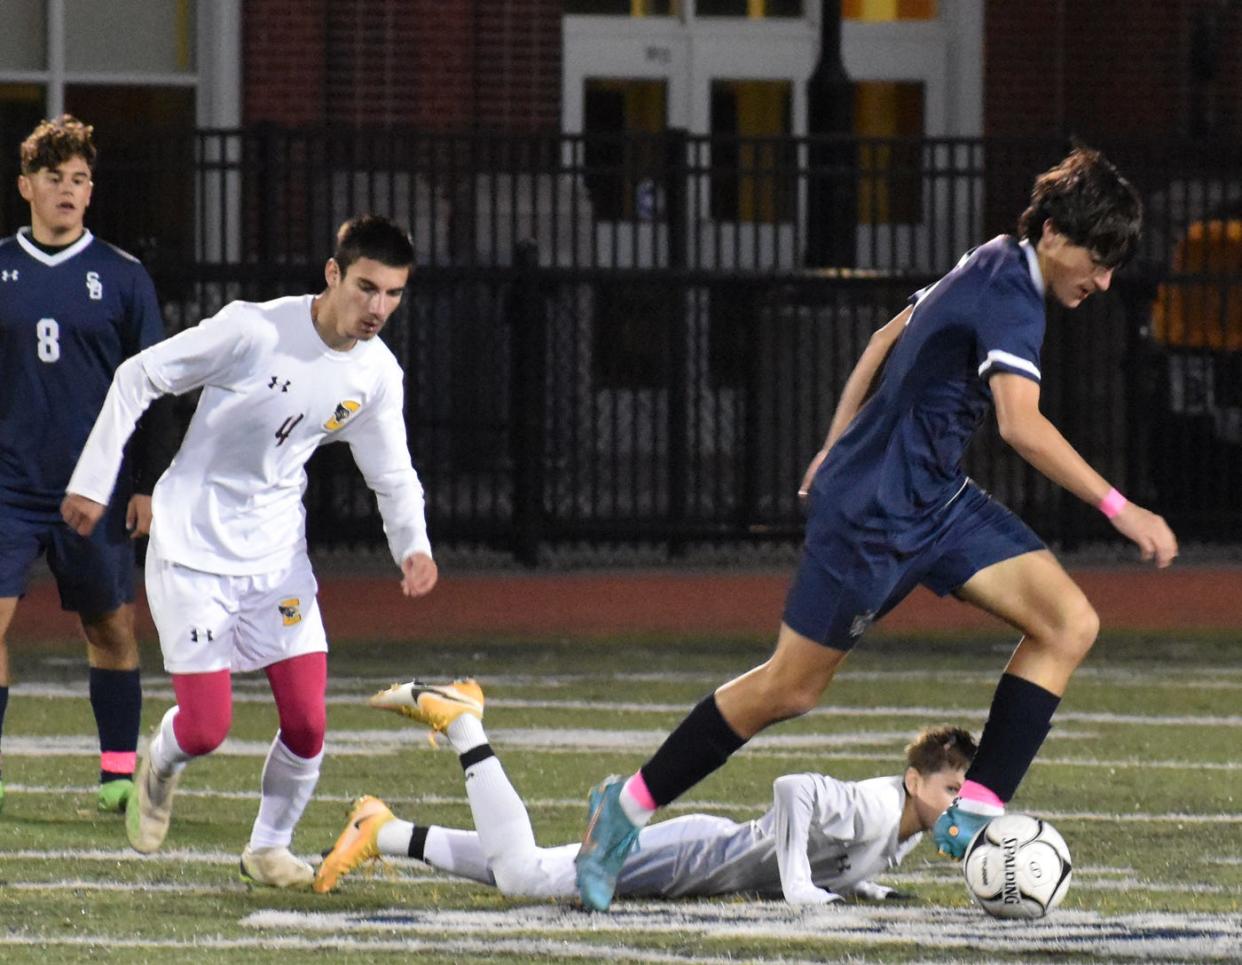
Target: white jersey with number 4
x=273 y=391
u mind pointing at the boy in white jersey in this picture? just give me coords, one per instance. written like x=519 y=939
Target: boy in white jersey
x=229 y=583
x=822 y=839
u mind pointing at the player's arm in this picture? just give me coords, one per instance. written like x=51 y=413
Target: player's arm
x=1041 y=444
x=378 y=444
x=857 y=388
x=206 y=353
x=90 y=487
x=798 y=802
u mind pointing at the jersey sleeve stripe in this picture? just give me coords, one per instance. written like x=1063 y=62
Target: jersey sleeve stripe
x=997 y=356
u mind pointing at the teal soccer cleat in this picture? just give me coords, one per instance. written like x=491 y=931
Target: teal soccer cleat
x=610 y=838
x=954 y=830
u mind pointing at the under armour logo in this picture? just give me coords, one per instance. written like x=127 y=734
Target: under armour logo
x=276 y=381
x=7 y=275
x=94 y=287
x=196 y=635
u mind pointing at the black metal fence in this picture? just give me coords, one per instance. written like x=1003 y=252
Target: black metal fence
x=635 y=339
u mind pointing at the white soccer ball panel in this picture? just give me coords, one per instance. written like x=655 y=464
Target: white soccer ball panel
x=1017 y=867
x=1021 y=827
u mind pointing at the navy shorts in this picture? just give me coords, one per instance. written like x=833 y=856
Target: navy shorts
x=94 y=575
x=848 y=578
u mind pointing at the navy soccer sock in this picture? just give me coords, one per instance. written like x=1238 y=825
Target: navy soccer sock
x=1018 y=722
x=116 y=699
x=700 y=744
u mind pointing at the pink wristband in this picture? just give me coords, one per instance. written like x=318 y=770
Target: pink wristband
x=1112 y=503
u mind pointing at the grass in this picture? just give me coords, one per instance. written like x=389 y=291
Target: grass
x=1140 y=775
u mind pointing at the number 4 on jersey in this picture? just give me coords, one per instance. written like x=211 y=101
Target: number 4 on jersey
x=286 y=428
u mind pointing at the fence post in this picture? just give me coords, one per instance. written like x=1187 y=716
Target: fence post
x=677 y=190
x=527 y=320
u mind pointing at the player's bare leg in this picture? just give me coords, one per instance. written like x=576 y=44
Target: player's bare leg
x=116 y=699
x=1034 y=594
x=786 y=685
x=8 y=606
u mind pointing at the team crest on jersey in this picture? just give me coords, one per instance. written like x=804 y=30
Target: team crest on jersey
x=94 y=287
x=341 y=415
x=290 y=611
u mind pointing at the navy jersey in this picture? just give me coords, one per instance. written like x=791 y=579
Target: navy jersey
x=66 y=322
x=900 y=460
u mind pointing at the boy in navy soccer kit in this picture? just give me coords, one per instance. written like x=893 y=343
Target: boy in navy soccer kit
x=72 y=308
x=890 y=508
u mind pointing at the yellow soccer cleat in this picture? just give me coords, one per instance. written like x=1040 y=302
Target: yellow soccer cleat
x=356 y=844
x=435 y=706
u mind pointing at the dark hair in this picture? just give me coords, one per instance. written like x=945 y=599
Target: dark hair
x=1090 y=203
x=370 y=236
x=53 y=143
x=940 y=748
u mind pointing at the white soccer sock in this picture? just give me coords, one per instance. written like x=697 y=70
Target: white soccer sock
x=394 y=838
x=164 y=753
x=465 y=733
x=501 y=820
x=288 y=782
x=457 y=852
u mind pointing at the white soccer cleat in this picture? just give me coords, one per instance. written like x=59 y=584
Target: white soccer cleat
x=275 y=867
x=435 y=706
x=149 y=808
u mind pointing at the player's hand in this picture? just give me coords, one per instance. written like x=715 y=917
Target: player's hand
x=870 y=891
x=138 y=516
x=810 y=895
x=1149 y=532
x=418 y=574
x=808 y=477
x=81 y=513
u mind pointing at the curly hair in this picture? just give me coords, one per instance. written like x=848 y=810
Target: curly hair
x=940 y=748
x=53 y=143
x=1089 y=202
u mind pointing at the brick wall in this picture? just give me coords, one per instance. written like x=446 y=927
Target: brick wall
x=434 y=64
x=1124 y=68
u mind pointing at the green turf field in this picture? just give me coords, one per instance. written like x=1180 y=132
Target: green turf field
x=1141 y=775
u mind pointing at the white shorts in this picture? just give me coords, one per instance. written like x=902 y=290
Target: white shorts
x=211 y=621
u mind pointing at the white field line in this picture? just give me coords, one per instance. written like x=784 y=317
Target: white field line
x=58 y=691
x=687 y=805
x=1160 y=937
x=527 y=949
x=386 y=743
x=408 y=871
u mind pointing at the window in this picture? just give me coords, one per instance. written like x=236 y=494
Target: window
x=751 y=178
x=623 y=8
x=129 y=68
x=751 y=9
x=622 y=166
x=890 y=188
x=882 y=11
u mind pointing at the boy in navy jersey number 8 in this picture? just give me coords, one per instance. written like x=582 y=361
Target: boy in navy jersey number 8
x=72 y=308
x=890 y=508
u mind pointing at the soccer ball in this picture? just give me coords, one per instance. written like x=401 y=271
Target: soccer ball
x=1017 y=866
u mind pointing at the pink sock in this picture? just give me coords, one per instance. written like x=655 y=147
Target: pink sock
x=636 y=800
x=976 y=793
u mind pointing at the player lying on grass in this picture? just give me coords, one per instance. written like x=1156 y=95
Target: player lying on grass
x=822 y=838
